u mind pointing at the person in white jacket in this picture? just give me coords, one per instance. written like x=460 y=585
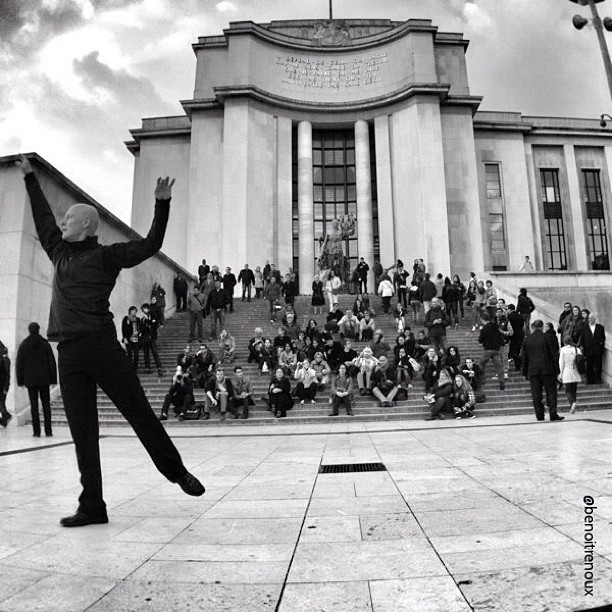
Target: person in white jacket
x=568 y=372
x=385 y=290
x=332 y=286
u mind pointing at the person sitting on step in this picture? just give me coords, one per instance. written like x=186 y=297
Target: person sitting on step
x=384 y=386
x=342 y=386
x=307 y=383
x=440 y=399
x=365 y=363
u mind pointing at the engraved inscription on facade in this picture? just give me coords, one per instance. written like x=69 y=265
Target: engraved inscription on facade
x=342 y=73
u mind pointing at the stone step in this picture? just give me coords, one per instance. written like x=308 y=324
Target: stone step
x=516 y=399
x=295 y=417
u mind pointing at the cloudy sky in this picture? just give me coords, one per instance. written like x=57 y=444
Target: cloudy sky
x=76 y=75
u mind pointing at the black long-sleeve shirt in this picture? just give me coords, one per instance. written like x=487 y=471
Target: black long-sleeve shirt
x=85 y=272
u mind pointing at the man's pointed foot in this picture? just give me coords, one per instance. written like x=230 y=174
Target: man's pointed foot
x=191 y=485
x=81 y=519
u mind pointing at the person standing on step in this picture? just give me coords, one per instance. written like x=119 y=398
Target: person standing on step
x=568 y=372
x=36 y=370
x=217 y=300
x=540 y=368
x=272 y=294
x=181 y=288
x=5 y=383
x=362 y=274
x=593 y=341
x=247 y=278
x=148 y=328
x=229 y=282
x=131 y=334
x=85 y=273
x=196 y=305
x=491 y=339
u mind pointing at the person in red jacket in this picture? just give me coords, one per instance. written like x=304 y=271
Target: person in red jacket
x=85 y=273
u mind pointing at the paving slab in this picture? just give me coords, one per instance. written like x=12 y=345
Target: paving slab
x=485 y=517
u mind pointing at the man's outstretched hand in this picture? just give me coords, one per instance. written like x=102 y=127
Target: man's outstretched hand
x=24 y=165
x=163 y=189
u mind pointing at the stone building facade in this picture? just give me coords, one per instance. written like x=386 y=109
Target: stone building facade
x=295 y=123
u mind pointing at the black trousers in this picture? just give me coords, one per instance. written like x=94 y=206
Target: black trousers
x=549 y=383
x=43 y=392
x=98 y=359
x=151 y=346
x=181 y=301
x=133 y=349
x=402 y=297
x=594 y=368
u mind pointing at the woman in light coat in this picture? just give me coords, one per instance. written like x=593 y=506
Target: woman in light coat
x=568 y=372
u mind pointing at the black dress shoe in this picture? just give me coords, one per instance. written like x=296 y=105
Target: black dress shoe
x=540 y=419
x=80 y=519
x=191 y=485
x=557 y=417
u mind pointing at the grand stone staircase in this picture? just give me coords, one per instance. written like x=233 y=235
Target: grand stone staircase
x=516 y=398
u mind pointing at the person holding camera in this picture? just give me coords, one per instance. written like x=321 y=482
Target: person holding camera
x=180 y=394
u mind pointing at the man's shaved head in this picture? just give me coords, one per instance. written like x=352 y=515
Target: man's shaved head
x=79 y=222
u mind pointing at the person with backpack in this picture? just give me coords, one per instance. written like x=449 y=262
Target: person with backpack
x=569 y=358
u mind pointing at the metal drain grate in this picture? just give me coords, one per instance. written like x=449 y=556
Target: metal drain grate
x=343 y=468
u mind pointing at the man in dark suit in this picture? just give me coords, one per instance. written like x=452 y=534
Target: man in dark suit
x=36 y=369
x=540 y=368
x=593 y=344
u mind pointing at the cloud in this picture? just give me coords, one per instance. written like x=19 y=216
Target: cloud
x=226 y=7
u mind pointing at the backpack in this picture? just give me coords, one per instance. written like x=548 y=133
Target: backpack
x=192 y=413
x=580 y=363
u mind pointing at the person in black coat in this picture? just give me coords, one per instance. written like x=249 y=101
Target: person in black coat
x=180 y=290
x=229 y=282
x=540 y=368
x=36 y=369
x=5 y=382
x=247 y=278
x=593 y=344
x=516 y=340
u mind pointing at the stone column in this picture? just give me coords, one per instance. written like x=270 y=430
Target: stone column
x=305 y=206
x=578 y=227
x=365 y=232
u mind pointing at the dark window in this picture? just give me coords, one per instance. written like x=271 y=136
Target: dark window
x=334 y=187
x=334 y=184
x=595 y=220
x=553 y=220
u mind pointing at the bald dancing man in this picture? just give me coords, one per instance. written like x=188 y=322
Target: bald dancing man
x=80 y=321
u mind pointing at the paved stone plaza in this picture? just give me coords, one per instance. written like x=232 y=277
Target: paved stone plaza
x=472 y=515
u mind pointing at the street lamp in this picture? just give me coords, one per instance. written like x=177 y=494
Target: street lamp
x=602 y=120
x=579 y=22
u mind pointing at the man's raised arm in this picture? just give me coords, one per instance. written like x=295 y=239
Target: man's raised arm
x=130 y=254
x=44 y=220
